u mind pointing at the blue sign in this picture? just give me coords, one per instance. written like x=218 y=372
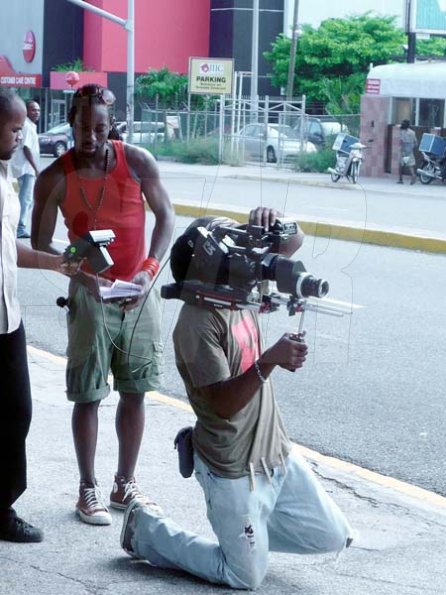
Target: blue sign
x=429 y=16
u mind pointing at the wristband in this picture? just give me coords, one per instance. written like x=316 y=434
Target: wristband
x=259 y=372
x=151 y=266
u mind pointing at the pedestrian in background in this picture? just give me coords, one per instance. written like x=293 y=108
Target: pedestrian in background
x=15 y=393
x=408 y=142
x=25 y=165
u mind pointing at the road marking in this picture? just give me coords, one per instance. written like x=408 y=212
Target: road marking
x=372 y=476
x=378 y=237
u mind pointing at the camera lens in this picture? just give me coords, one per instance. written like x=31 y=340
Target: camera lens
x=291 y=277
x=309 y=286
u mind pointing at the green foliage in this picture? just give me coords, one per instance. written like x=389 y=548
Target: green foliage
x=203 y=151
x=77 y=66
x=343 y=94
x=169 y=87
x=316 y=162
x=338 y=49
x=430 y=48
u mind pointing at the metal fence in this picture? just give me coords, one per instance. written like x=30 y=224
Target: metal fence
x=267 y=130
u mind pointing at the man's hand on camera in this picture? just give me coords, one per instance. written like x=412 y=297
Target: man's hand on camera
x=263 y=216
x=289 y=353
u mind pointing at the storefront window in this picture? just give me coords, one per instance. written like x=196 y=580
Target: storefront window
x=403 y=109
x=431 y=113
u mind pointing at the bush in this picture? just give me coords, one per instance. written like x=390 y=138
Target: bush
x=203 y=151
x=316 y=162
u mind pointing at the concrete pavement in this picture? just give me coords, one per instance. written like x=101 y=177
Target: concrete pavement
x=390 y=234
x=401 y=545
x=400 y=549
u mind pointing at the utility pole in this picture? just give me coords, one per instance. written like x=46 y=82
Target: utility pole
x=411 y=36
x=293 y=49
x=255 y=60
x=129 y=26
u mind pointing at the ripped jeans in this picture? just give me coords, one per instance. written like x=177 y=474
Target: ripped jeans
x=291 y=513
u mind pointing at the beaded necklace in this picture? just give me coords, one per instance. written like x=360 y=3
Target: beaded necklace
x=101 y=195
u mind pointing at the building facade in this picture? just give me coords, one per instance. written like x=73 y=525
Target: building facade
x=38 y=37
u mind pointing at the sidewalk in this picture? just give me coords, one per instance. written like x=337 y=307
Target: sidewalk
x=400 y=550
x=391 y=234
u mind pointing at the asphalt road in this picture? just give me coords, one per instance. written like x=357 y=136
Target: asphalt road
x=372 y=389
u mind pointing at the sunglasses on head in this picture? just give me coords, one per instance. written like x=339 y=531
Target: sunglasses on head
x=104 y=95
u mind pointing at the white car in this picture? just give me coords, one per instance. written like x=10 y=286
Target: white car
x=146 y=133
x=271 y=142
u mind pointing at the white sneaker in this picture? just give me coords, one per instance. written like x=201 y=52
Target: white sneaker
x=90 y=507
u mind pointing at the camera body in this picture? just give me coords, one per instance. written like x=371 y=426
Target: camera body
x=93 y=247
x=230 y=264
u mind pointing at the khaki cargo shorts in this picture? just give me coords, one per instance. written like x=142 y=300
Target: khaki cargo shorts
x=103 y=339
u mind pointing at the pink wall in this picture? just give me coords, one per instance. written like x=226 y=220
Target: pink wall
x=374 y=119
x=167 y=33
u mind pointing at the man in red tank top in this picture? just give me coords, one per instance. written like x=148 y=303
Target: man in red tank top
x=104 y=184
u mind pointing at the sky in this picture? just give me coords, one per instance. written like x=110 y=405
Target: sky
x=315 y=11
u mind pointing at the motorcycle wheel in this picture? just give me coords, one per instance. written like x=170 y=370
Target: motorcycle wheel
x=354 y=172
x=335 y=177
x=427 y=179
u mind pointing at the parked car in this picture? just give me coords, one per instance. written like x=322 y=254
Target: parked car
x=319 y=130
x=271 y=142
x=145 y=133
x=56 y=140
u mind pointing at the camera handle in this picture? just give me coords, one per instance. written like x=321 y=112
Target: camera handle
x=299 y=336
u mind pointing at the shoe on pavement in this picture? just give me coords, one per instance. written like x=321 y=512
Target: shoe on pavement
x=128 y=526
x=90 y=507
x=22 y=235
x=17 y=530
x=125 y=491
x=400 y=182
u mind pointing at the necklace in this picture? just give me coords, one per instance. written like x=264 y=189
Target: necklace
x=101 y=195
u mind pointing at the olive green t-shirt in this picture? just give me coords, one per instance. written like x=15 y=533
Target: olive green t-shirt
x=213 y=345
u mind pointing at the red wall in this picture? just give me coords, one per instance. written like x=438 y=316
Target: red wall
x=167 y=32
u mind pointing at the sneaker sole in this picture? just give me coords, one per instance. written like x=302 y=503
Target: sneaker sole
x=128 y=512
x=118 y=505
x=103 y=519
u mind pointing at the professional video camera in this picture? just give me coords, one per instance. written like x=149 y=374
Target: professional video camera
x=93 y=247
x=227 y=267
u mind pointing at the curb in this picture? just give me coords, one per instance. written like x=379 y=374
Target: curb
x=401 y=487
x=377 y=237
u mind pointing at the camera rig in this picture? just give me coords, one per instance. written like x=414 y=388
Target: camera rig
x=238 y=267
x=93 y=247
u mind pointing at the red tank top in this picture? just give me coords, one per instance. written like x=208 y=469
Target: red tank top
x=122 y=210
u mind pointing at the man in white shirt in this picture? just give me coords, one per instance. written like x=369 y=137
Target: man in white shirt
x=15 y=394
x=25 y=165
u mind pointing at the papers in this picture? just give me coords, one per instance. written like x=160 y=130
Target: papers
x=120 y=290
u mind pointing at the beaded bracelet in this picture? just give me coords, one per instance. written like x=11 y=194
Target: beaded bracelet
x=259 y=372
x=151 y=266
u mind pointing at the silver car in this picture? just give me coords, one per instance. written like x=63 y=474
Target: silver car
x=271 y=142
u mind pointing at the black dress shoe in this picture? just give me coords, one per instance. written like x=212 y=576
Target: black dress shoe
x=18 y=530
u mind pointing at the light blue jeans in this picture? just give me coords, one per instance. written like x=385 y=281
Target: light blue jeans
x=26 y=189
x=292 y=513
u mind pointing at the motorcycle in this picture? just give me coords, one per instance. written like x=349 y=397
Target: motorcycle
x=349 y=157
x=434 y=168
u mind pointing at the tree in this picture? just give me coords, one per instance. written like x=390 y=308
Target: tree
x=169 y=87
x=337 y=50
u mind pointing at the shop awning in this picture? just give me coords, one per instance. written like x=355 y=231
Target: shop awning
x=423 y=80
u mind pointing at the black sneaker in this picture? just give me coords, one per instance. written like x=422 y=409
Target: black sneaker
x=18 y=530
